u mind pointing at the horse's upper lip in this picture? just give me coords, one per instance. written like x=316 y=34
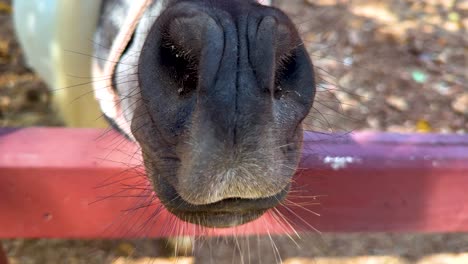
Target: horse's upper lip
x=234 y=205
x=172 y=200
x=225 y=213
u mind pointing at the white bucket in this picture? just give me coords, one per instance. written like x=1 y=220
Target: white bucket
x=57 y=39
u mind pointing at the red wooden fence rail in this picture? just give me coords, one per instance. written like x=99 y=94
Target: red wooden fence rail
x=52 y=181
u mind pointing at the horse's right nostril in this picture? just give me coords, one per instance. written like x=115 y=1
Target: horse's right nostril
x=189 y=50
x=181 y=65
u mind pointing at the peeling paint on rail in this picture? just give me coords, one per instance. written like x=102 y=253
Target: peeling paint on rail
x=338 y=163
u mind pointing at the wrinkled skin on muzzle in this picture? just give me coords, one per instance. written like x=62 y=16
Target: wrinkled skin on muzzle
x=224 y=87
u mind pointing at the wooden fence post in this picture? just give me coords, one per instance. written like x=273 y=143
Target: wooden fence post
x=3 y=257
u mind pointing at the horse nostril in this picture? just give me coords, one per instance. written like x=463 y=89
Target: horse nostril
x=181 y=65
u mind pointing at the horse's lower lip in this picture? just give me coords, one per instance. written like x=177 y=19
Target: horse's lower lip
x=225 y=213
x=170 y=197
x=218 y=219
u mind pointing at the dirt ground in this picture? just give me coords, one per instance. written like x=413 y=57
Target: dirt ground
x=391 y=65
